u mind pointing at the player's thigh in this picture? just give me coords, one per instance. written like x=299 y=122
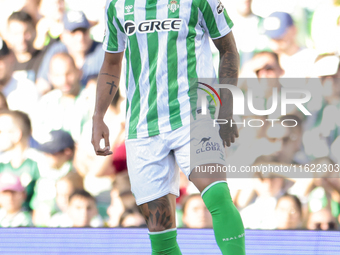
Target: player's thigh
x=151 y=168
x=202 y=156
x=160 y=214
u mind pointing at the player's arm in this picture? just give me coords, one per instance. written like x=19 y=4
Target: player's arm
x=228 y=74
x=108 y=82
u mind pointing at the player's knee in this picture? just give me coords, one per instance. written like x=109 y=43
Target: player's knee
x=202 y=183
x=160 y=213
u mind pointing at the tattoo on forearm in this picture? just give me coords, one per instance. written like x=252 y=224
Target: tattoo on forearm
x=228 y=71
x=112 y=84
x=227 y=110
x=109 y=75
x=157 y=213
x=229 y=60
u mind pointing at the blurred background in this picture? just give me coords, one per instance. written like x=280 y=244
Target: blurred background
x=50 y=57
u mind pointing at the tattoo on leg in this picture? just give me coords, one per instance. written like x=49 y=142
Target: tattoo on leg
x=112 y=84
x=158 y=213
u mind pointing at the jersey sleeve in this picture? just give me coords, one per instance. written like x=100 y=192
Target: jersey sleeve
x=215 y=18
x=114 y=38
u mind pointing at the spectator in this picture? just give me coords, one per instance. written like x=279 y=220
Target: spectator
x=288 y=212
x=75 y=39
x=260 y=213
x=327 y=68
x=296 y=62
x=93 y=11
x=82 y=209
x=246 y=29
x=322 y=220
x=56 y=162
x=61 y=107
x=65 y=186
x=21 y=34
x=3 y=102
x=264 y=66
x=272 y=143
x=131 y=218
x=195 y=213
x=12 y=196
x=324 y=29
x=7 y=8
x=322 y=127
x=285 y=142
x=122 y=199
x=324 y=195
x=20 y=93
x=50 y=26
x=16 y=157
x=128 y=200
x=325 y=191
x=122 y=182
x=115 y=210
x=32 y=8
x=58 y=150
x=120 y=202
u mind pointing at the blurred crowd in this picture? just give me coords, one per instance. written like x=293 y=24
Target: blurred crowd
x=50 y=57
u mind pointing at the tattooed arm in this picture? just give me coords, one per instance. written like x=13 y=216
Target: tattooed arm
x=108 y=81
x=228 y=74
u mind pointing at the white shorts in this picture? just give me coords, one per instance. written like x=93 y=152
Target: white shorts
x=152 y=160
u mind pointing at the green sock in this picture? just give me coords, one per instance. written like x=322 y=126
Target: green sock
x=227 y=222
x=164 y=242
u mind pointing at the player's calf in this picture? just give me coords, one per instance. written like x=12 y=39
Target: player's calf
x=227 y=222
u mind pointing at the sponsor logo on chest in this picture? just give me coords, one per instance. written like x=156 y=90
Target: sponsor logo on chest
x=150 y=26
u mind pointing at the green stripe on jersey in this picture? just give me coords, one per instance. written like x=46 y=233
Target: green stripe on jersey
x=229 y=21
x=136 y=64
x=152 y=38
x=209 y=18
x=112 y=44
x=191 y=59
x=174 y=106
x=127 y=57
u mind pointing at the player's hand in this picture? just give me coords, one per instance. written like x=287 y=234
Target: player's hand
x=100 y=131
x=228 y=134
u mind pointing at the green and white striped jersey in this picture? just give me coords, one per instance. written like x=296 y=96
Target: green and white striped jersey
x=167 y=45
